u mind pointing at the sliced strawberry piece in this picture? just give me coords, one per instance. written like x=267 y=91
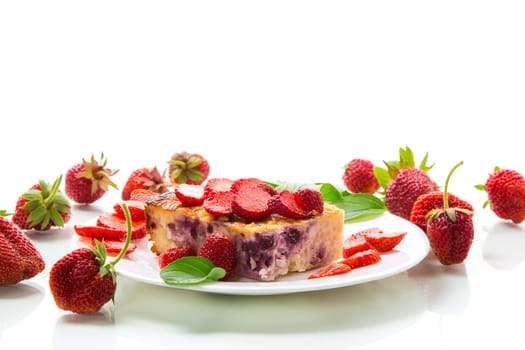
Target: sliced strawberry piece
x=368 y=230
x=336 y=268
x=136 y=210
x=245 y=183
x=142 y=195
x=217 y=185
x=364 y=258
x=113 y=248
x=173 y=254
x=354 y=244
x=219 y=203
x=383 y=242
x=285 y=205
x=251 y=202
x=309 y=199
x=113 y=220
x=190 y=195
x=109 y=234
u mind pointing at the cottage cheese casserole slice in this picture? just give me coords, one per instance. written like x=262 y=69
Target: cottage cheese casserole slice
x=264 y=249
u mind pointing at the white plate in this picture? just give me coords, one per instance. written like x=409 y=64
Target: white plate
x=142 y=265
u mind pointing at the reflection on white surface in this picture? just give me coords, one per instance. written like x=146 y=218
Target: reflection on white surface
x=18 y=302
x=70 y=330
x=446 y=288
x=343 y=317
x=504 y=245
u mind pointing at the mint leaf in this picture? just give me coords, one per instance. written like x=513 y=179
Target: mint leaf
x=330 y=193
x=360 y=206
x=191 y=270
x=292 y=186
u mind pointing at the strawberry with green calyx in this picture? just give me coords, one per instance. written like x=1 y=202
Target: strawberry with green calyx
x=406 y=160
x=82 y=281
x=42 y=207
x=430 y=201
x=190 y=168
x=147 y=179
x=403 y=191
x=450 y=231
x=88 y=181
x=506 y=194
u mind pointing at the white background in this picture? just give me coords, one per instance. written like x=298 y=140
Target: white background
x=281 y=90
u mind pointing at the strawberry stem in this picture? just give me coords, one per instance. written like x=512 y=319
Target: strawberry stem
x=445 y=191
x=128 y=234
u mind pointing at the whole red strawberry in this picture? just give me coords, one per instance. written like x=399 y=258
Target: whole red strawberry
x=147 y=179
x=431 y=201
x=87 y=182
x=19 y=258
x=450 y=230
x=403 y=191
x=78 y=284
x=190 y=168
x=359 y=177
x=506 y=192
x=218 y=248
x=43 y=206
x=81 y=281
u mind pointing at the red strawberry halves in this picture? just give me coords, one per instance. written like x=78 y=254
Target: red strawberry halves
x=42 y=207
x=87 y=182
x=81 y=281
x=19 y=258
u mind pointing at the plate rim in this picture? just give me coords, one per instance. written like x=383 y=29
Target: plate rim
x=285 y=285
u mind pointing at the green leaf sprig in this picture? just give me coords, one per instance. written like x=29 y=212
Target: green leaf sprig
x=191 y=270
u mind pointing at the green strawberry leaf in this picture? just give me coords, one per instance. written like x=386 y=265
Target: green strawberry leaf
x=406 y=158
x=194 y=162
x=5 y=213
x=191 y=270
x=423 y=165
x=194 y=175
x=480 y=187
x=383 y=176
